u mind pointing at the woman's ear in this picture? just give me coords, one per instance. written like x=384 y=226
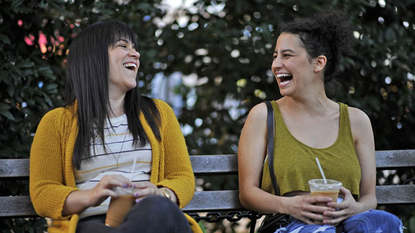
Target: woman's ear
x=319 y=63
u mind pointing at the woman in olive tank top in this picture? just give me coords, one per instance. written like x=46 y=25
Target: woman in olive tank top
x=308 y=125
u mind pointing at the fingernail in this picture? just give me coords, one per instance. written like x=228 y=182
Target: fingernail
x=135 y=194
x=137 y=200
x=133 y=186
x=125 y=186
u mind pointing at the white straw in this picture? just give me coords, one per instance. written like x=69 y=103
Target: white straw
x=132 y=170
x=321 y=170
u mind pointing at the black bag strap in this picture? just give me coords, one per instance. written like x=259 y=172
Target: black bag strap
x=270 y=145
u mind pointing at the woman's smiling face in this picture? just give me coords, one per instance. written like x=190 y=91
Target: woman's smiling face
x=123 y=66
x=291 y=65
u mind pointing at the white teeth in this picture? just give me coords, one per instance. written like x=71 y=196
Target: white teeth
x=130 y=65
x=283 y=75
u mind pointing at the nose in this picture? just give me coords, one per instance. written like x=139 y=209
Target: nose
x=276 y=64
x=134 y=53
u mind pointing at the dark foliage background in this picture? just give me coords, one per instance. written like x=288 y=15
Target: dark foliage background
x=223 y=50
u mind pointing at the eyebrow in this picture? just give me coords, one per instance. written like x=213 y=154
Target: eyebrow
x=285 y=50
x=126 y=41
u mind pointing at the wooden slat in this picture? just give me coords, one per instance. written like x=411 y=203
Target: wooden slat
x=16 y=206
x=10 y=168
x=208 y=201
x=229 y=200
x=395 y=159
x=20 y=206
x=395 y=194
x=214 y=164
x=221 y=200
x=224 y=164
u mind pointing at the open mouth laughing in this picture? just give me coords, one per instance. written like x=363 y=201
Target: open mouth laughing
x=131 y=66
x=284 y=78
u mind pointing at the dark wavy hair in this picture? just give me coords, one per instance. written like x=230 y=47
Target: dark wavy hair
x=327 y=34
x=87 y=75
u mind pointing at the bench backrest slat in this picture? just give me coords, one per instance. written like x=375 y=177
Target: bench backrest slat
x=395 y=159
x=19 y=206
x=224 y=164
x=10 y=168
x=214 y=164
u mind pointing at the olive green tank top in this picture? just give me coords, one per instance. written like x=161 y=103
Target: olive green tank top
x=295 y=162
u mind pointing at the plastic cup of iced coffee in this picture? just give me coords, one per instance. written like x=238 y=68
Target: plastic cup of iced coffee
x=119 y=207
x=329 y=189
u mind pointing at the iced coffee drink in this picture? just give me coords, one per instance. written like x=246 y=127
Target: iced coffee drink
x=329 y=189
x=119 y=207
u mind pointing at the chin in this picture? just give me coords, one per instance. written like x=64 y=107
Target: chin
x=285 y=92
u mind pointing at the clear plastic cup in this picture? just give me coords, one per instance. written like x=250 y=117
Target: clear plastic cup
x=329 y=189
x=119 y=207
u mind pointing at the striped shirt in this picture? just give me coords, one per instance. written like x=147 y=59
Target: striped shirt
x=119 y=151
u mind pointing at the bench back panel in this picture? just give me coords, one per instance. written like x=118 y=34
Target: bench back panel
x=217 y=200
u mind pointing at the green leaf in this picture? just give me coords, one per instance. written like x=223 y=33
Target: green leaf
x=10 y=90
x=4 y=106
x=16 y=4
x=57 y=6
x=8 y=115
x=6 y=77
x=52 y=88
x=46 y=72
x=5 y=39
x=26 y=64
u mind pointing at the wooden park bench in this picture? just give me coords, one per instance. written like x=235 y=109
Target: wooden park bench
x=220 y=204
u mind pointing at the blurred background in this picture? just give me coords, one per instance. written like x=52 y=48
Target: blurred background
x=210 y=60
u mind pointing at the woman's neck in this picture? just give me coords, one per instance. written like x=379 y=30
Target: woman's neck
x=116 y=107
x=313 y=104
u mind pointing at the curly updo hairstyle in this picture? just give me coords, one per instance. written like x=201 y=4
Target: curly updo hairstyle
x=325 y=34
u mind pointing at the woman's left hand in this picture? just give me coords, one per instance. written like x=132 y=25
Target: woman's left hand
x=145 y=189
x=345 y=209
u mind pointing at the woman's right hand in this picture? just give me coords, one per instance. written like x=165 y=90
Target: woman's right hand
x=304 y=208
x=78 y=201
x=103 y=189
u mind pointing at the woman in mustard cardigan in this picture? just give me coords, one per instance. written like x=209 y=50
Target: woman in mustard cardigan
x=86 y=149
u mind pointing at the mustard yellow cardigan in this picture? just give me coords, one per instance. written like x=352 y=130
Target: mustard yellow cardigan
x=52 y=176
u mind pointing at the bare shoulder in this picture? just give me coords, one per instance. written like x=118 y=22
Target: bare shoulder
x=358 y=117
x=360 y=124
x=255 y=123
x=258 y=112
